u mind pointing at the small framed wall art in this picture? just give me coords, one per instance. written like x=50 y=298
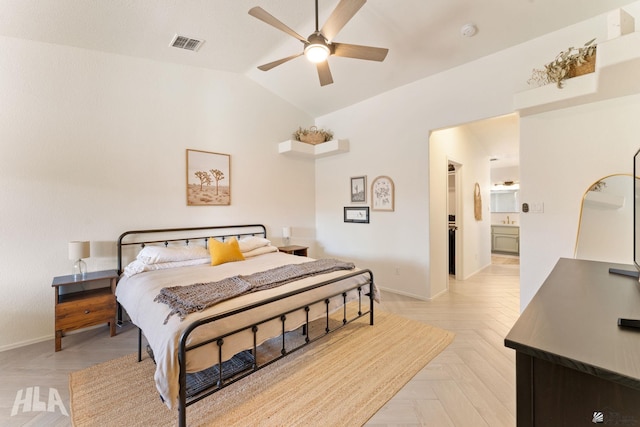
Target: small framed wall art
x=208 y=178
x=356 y=214
x=359 y=189
x=382 y=194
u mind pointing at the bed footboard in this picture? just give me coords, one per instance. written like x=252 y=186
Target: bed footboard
x=365 y=292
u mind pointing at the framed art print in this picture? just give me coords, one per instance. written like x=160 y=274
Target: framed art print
x=382 y=194
x=208 y=178
x=359 y=189
x=356 y=214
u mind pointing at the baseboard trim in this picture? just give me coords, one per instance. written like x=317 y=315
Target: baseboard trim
x=25 y=343
x=46 y=338
x=406 y=294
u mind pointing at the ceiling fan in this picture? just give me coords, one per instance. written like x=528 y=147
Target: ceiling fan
x=320 y=45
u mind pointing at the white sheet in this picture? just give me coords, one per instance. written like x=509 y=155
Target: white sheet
x=136 y=295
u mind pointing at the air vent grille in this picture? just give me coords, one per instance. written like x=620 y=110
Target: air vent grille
x=188 y=43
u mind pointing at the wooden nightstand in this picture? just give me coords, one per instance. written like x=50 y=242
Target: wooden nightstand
x=76 y=310
x=294 y=250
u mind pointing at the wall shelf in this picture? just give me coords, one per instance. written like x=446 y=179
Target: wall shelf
x=301 y=149
x=617 y=62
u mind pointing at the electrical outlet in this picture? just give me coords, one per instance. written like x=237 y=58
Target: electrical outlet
x=397 y=271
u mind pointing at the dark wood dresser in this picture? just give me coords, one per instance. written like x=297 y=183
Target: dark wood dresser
x=574 y=365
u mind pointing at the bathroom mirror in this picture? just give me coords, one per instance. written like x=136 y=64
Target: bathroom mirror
x=505 y=199
x=605 y=227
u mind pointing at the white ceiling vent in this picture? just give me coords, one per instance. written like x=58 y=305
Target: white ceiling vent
x=188 y=43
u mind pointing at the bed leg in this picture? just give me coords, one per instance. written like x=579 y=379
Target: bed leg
x=371 y=312
x=371 y=299
x=182 y=416
x=182 y=382
x=139 y=345
x=119 y=319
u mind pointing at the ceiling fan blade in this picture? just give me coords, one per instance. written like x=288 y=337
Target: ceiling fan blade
x=270 y=65
x=360 y=52
x=263 y=15
x=344 y=11
x=324 y=73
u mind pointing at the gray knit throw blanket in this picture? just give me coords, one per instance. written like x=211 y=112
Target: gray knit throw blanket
x=192 y=298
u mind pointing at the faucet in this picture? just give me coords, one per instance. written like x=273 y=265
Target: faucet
x=508 y=219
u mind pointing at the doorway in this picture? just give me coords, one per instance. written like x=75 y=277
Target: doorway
x=472 y=145
x=454 y=215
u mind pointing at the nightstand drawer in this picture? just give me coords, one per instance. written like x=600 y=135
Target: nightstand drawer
x=80 y=313
x=76 y=310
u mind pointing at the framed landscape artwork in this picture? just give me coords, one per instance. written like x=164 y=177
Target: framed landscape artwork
x=359 y=189
x=208 y=178
x=356 y=214
x=382 y=194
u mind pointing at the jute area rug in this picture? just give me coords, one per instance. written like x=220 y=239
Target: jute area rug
x=342 y=379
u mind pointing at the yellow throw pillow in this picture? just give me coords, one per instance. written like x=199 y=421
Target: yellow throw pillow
x=228 y=251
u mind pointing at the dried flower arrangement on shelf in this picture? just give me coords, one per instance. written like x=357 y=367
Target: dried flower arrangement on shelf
x=313 y=135
x=569 y=63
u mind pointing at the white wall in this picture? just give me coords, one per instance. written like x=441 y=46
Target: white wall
x=389 y=135
x=93 y=144
x=507 y=173
x=577 y=147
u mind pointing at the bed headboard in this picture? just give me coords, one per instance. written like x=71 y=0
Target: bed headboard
x=130 y=242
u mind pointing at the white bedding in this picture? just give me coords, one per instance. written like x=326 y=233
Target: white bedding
x=136 y=294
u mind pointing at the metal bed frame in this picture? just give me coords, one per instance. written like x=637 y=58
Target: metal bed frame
x=223 y=233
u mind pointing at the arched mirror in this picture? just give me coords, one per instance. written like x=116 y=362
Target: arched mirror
x=605 y=228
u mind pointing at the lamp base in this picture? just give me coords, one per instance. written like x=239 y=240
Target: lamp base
x=79 y=270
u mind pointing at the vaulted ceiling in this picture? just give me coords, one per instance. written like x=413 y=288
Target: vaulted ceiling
x=423 y=36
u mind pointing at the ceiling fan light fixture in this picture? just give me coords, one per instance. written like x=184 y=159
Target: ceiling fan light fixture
x=316 y=52
x=316 y=49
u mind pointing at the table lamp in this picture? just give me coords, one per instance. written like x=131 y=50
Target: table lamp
x=77 y=251
x=286 y=235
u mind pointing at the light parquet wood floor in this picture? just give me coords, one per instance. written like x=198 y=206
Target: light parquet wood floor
x=471 y=383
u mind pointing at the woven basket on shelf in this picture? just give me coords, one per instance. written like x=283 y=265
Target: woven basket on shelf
x=589 y=66
x=313 y=137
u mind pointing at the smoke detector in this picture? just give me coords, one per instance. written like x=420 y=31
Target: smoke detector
x=468 y=30
x=187 y=43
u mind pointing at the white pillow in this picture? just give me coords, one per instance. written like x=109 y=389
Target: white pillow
x=259 y=251
x=138 y=266
x=158 y=254
x=249 y=243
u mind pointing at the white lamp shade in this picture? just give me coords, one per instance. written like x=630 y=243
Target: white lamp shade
x=79 y=250
x=286 y=232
